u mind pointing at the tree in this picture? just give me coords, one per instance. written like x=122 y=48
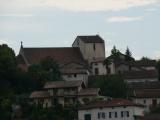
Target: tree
x=46 y=70
x=115 y=54
x=107 y=62
x=145 y=59
x=128 y=55
x=110 y=85
x=8 y=66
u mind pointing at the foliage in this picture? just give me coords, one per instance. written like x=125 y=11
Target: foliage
x=156 y=109
x=110 y=85
x=46 y=70
x=7 y=62
x=107 y=62
x=145 y=59
x=128 y=55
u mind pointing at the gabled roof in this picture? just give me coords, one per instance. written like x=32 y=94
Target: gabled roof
x=144 y=85
x=143 y=63
x=89 y=92
x=91 y=39
x=63 y=84
x=39 y=94
x=110 y=103
x=143 y=74
x=60 y=55
x=151 y=117
x=147 y=93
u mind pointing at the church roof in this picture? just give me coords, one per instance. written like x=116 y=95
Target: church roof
x=91 y=39
x=61 y=55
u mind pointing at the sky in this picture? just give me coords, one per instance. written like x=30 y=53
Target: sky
x=56 y=23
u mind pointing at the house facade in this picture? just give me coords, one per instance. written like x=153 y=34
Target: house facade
x=150 y=98
x=115 y=109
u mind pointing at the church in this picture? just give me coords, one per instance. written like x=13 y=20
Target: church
x=85 y=57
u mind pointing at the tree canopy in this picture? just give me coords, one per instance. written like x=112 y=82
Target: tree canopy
x=128 y=55
x=110 y=85
x=46 y=70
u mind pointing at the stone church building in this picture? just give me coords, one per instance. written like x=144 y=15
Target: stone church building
x=84 y=58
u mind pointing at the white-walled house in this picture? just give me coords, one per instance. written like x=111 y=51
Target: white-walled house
x=115 y=109
x=98 y=67
x=148 y=97
x=75 y=71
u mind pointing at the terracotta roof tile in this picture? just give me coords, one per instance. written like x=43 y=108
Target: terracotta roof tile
x=61 y=55
x=89 y=91
x=141 y=74
x=147 y=93
x=110 y=103
x=62 y=84
x=151 y=117
x=39 y=94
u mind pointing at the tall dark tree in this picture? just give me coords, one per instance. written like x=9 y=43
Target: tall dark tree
x=8 y=65
x=128 y=55
x=115 y=54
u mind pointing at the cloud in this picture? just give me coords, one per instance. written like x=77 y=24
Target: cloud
x=123 y=19
x=72 y=5
x=16 y=15
x=151 y=10
x=157 y=54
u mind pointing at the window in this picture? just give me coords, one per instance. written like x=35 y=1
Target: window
x=115 y=114
x=154 y=102
x=95 y=64
x=87 y=117
x=103 y=115
x=99 y=116
x=110 y=115
x=75 y=75
x=69 y=76
x=94 y=46
x=122 y=114
x=144 y=101
x=127 y=113
x=96 y=71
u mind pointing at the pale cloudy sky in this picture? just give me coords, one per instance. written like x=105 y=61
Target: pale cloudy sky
x=55 y=23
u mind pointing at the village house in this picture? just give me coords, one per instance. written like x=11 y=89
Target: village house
x=115 y=109
x=41 y=98
x=150 y=98
x=141 y=76
x=64 y=93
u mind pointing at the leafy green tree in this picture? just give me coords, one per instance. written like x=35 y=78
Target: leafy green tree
x=46 y=70
x=8 y=65
x=110 y=85
x=128 y=55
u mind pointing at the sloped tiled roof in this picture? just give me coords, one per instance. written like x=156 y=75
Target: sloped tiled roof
x=151 y=117
x=89 y=91
x=146 y=85
x=60 y=55
x=110 y=103
x=147 y=93
x=143 y=63
x=39 y=94
x=143 y=74
x=91 y=39
x=63 y=84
